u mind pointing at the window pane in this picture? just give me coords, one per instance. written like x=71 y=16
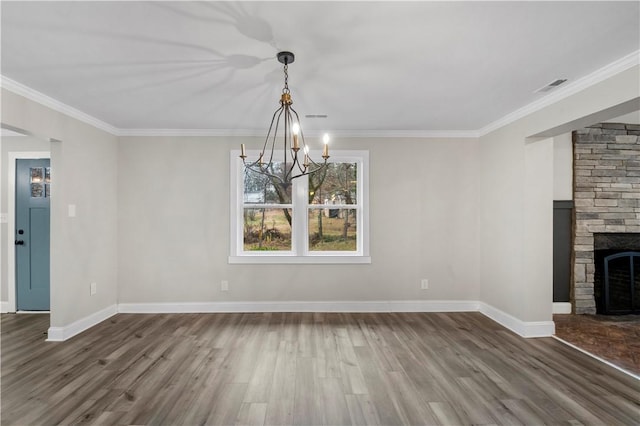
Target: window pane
x=267 y=229
x=37 y=190
x=335 y=184
x=259 y=188
x=37 y=174
x=332 y=230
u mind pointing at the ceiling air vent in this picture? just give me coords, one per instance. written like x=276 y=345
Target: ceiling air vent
x=551 y=85
x=316 y=116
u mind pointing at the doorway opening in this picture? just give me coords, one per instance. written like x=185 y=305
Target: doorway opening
x=12 y=157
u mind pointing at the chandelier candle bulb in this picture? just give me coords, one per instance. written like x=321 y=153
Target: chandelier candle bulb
x=325 y=149
x=295 y=130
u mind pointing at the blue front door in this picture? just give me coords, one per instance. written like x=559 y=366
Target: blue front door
x=33 y=192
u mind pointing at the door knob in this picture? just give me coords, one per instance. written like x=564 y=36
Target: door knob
x=19 y=242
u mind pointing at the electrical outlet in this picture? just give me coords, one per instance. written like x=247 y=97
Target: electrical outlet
x=224 y=285
x=424 y=284
x=93 y=288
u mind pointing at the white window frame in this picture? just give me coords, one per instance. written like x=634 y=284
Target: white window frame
x=299 y=233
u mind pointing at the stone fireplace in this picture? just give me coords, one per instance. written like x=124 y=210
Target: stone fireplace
x=606 y=194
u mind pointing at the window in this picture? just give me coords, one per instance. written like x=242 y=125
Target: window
x=319 y=218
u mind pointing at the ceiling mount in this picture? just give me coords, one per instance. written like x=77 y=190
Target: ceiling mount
x=286 y=57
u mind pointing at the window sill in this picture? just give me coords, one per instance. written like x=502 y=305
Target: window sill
x=301 y=260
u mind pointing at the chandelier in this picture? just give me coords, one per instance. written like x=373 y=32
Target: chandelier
x=286 y=121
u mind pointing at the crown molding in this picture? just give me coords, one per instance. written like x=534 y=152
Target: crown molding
x=309 y=133
x=54 y=104
x=191 y=132
x=401 y=134
x=572 y=88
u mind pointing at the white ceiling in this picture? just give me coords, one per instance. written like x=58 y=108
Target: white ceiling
x=377 y=66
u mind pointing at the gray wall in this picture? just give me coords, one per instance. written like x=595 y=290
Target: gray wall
x=84 y=167
x=173 y=233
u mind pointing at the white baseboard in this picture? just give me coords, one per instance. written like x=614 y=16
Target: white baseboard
x=433 y=306
x=4 y=307
x=523 y=328
x=301 y=306
x=59 y=334
x=561 y=307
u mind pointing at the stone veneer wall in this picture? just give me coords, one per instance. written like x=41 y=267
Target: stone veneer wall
x=606 y=193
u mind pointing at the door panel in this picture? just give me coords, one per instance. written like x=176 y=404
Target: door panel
x=32 y=234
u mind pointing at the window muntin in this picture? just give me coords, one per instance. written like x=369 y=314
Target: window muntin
x=293 y=214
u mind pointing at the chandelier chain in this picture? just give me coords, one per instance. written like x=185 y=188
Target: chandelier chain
x=286 y=79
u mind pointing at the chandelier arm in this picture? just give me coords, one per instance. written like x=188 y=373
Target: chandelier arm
x=273 y=119
x=275 y=133
x=287 y=119
x=309 y=171
x=294 y=154
x=256 y=166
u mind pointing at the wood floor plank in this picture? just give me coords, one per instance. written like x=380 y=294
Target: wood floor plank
x=251 y=414
x=228 y=405
x=410 y=405
x=376 y=387
x=282 y=395
x=308 y=405
x=336 y=411
x=362 y=410
x=304 y=369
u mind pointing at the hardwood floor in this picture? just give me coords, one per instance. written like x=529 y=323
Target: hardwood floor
x=303 y=368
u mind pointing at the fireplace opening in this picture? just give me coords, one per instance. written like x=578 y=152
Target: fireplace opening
x=617 y=273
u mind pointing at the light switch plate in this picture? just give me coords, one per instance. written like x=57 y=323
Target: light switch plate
x=4 y=218
x=72 y=210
